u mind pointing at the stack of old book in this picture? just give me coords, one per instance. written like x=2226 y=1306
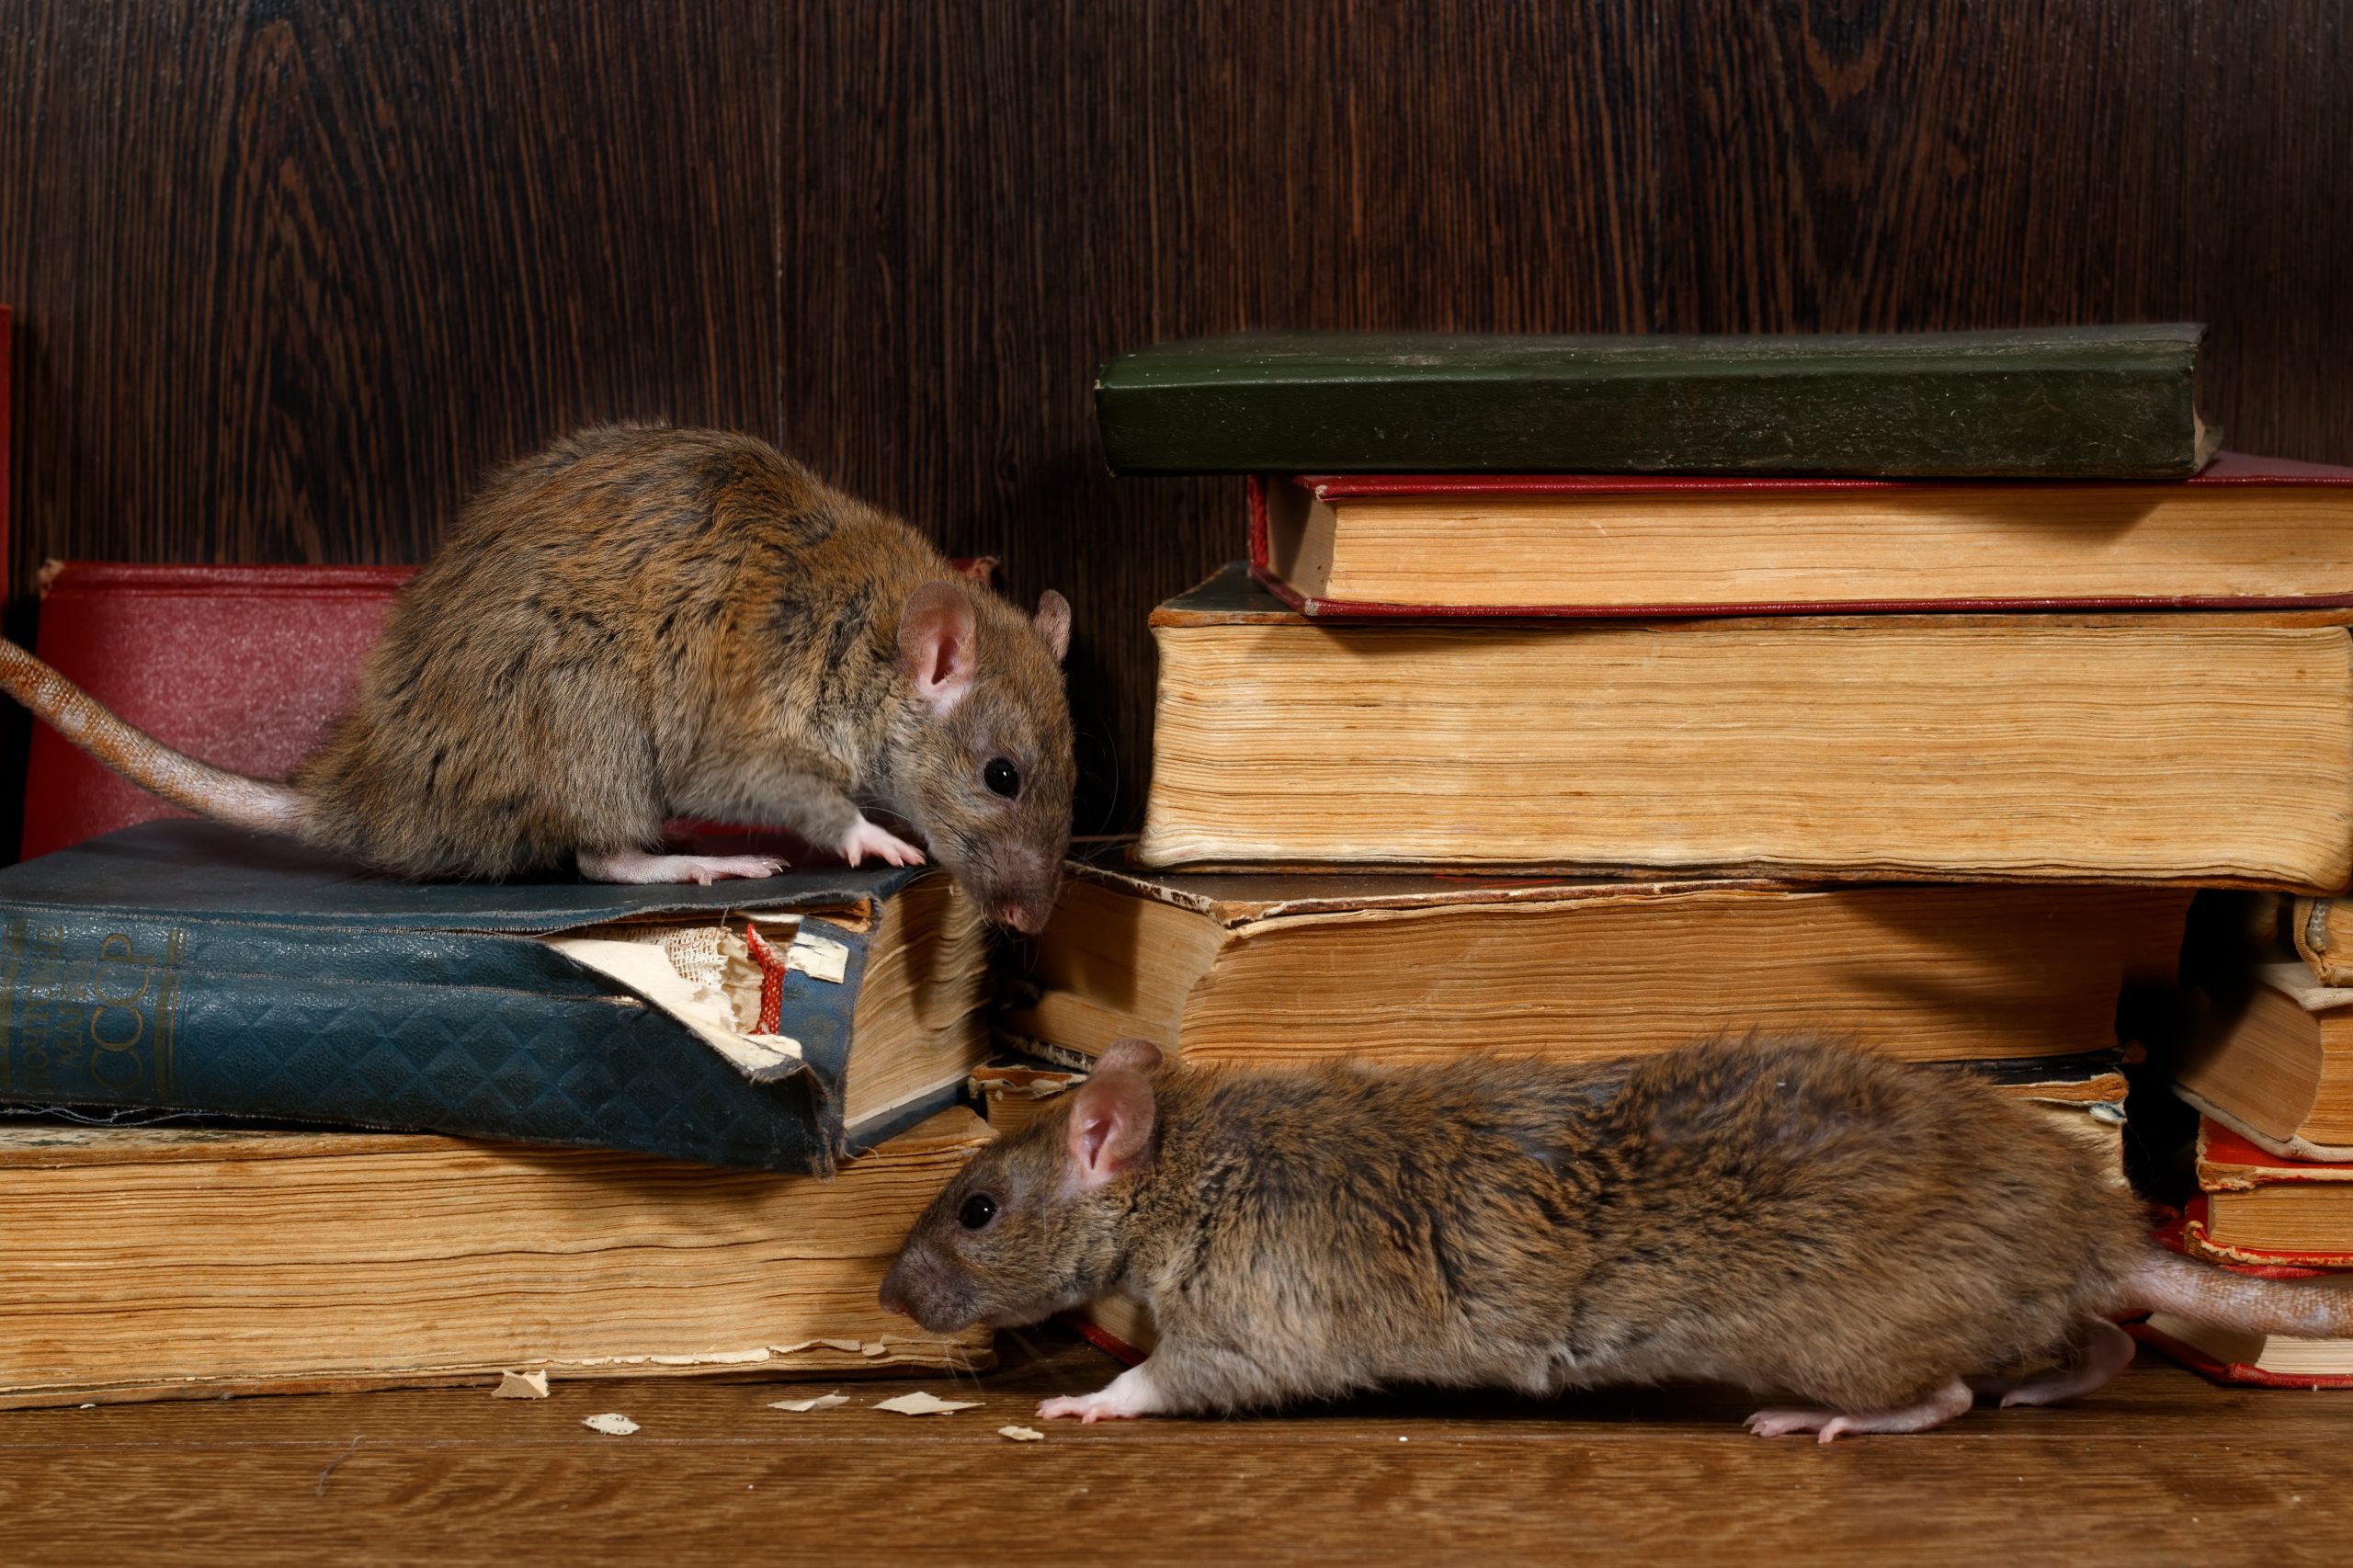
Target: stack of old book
x=2270 y=1070
x=267 y=1124
x=1585 y=696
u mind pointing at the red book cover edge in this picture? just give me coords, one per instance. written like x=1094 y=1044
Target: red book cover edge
x=2205 y=1366
x=2227 y=469
x=112 y=579
x=1102 y=1339
x=2189 y=1234
x=2217 y=1144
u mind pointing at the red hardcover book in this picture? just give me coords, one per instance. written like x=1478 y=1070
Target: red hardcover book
x=242 y=666
x=2264 y=1210
x=2245 y=533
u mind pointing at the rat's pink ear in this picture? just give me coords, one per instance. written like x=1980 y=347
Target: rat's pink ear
x=1053 y=621
x=1111 y=1121
x=935 y=630
x=1135 y=1055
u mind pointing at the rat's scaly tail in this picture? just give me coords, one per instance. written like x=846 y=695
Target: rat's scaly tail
x=2301 y=1309
x=191 y=785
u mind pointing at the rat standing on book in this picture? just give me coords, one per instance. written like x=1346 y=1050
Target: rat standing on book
x=643 y=623
x=1880 y=1241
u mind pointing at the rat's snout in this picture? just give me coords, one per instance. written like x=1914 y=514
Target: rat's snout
x=1022 y=890
x=914 y=1289
x=1027 y=918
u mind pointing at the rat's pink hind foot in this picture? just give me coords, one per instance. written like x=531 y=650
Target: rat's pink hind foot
x=2105 y=1351
x=1831 y=1425
x=1132 y=1393
x=635 y=866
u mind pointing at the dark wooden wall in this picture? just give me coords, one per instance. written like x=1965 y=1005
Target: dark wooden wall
x=294 y=272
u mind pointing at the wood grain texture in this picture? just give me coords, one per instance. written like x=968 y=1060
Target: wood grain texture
x=294 y=273
x=2157 y=1467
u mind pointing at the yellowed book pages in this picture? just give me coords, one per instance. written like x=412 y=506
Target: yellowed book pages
x=1917 y=544
x=2213 y=749
x=2273 y=1353
x=1268 y=970
x=149 y=1264
x=1012 y=1096
x=2282 y=1070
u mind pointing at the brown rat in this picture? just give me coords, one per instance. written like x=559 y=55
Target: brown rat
x=1879 y=1240
x=644 y=624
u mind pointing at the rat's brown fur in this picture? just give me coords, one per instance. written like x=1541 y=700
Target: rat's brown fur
x=640 y=623
x=1777 y=1215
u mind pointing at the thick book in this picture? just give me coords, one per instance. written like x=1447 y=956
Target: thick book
x=2183 y=746
x=1290 y=969
x=2053 y=402
x=2281 y=1071
x=152 y=1262
x=2258 y=1207
x=187 y=966
x=2246 y=533
x=242 y=666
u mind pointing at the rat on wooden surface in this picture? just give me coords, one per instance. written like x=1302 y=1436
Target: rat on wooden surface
x=1881 y=1240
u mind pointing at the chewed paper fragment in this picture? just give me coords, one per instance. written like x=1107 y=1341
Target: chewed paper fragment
x=819 y=957
x=522 y=1385
x=925 y=1404
x=612 y=1424
x=873 y=1347
x=852 y=1346
x=821 y=1401
x=1021 y=1434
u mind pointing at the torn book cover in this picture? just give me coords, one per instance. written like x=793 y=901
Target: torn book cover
x=187 y=967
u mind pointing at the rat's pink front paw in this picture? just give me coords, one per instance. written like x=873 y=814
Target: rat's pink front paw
x=864 y=838
x=1132 y=1393
x=1089 y=1408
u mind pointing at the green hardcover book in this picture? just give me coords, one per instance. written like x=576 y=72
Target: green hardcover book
x=2052 y=403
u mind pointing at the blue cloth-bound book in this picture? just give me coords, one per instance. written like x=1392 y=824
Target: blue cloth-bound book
x=185 y=966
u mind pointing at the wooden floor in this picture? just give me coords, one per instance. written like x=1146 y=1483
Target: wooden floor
x=2161 y=1468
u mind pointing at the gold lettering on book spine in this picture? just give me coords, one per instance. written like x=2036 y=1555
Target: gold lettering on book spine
x=111 y=1020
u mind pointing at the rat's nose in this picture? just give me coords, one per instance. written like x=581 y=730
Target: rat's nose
x=1027 y=919
x=892 y=1301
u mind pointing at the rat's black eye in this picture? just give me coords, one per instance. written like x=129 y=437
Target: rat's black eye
x=978 y=1210
x=1002 y=777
